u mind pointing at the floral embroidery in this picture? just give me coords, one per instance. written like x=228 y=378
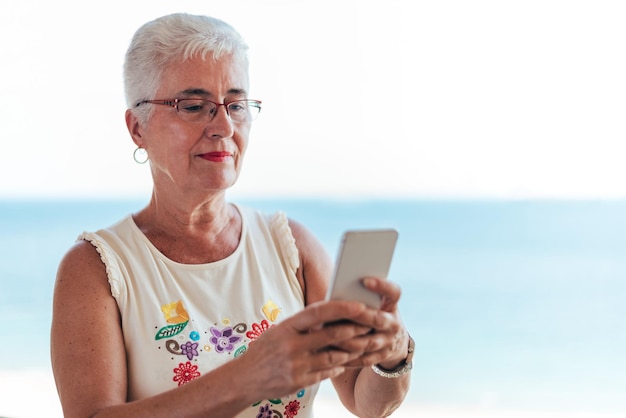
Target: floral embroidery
x=185 y=373
x=227 y=336
x=176 y=315
x=258 y=330
x=271 y=310
x=240 y=328
x=175 y=312
x=173 y=347
x=240 y=351
x=223 y=340
x=292 y=408
x=189 y=349
x=265 y=411
x=170 y=331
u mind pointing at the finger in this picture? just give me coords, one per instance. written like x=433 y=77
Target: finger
x=332 y=358
x=387 y=289
x=374 y=348
x=367 y=358
x=379 y=321
x=388 y=343
x=320 y=313
x=380 y=347
x=390 y=292
x=370 y=342
x=334 y=335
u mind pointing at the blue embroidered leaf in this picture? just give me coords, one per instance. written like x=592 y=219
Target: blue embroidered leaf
x=170 y=330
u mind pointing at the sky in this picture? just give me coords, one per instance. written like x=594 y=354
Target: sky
x=434 y=99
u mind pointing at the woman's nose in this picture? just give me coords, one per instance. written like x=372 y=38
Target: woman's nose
x=220 y=125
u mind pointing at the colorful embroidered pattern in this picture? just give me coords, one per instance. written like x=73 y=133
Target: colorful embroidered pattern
x=271 y=310
x=175 y=312
x=292 y=408
x=240 y=351
x=265 y=411
x=170 y=331
x=189 y=349
x=185 y=373
x=176 y=315
x=223 y=340
x=258 y=330
x=224 y=337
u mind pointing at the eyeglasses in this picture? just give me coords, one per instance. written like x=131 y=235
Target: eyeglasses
x=202 y=110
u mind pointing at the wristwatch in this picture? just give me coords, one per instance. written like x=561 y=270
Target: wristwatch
x=402 y=369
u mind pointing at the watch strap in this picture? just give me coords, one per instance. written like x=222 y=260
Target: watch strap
x=402 y=369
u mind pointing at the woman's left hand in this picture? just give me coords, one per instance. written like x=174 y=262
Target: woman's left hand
x=387 y=342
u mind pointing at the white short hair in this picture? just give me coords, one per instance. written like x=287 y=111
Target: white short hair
x=171 y=38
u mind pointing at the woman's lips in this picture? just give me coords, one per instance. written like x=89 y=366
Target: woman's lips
x=217 y=156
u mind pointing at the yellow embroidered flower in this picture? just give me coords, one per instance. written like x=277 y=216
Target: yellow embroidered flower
x=271 y=310
x=175 y=312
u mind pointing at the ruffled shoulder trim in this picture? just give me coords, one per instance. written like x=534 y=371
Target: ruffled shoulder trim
x=279 y=225
x=107 y=255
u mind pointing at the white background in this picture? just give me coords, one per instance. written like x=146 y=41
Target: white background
x=451 y=98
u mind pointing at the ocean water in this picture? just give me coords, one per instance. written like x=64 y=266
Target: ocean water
x=513 y=304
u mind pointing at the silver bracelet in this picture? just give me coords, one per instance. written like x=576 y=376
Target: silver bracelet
x=402 y=369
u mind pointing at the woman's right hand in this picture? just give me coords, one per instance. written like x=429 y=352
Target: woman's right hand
x=301 y=350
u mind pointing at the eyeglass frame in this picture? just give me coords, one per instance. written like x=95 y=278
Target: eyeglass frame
x=174 y=103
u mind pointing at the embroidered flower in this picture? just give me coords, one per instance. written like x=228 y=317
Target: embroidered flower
x=258 y=329
x=223 y=340
x=292 y=408
x=175 y=312
x=189 y=349
x=271 y=310
x=177 y=318
x=185 y=373
x=265 y=411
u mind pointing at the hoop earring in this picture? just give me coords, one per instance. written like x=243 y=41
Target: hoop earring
x=140 y=155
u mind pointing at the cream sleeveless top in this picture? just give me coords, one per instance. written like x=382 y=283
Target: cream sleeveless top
x=182 y=320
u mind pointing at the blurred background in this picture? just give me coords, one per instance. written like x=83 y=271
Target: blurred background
x=489 y=133
x=422 y=99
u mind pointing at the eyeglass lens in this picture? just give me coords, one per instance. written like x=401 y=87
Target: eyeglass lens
x=198 y=110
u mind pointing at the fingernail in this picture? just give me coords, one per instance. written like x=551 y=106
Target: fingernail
x=368 y=282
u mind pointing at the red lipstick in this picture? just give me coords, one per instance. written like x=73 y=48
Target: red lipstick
x=217 y=156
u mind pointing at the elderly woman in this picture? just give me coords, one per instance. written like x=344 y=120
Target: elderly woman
x=196 y=307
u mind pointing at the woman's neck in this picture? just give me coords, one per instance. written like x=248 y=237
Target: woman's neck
x=191 y=233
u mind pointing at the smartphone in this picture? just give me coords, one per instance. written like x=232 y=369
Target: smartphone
x=362 y=253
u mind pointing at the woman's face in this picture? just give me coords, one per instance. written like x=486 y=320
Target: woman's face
x=194 y=158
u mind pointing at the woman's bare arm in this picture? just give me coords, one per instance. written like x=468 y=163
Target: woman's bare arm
x=87 y=348
x=89 y=360
x=362 y=391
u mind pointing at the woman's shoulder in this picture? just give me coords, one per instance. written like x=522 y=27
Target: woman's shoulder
x=80 y=261
x=302 y=234
x=92 y=255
